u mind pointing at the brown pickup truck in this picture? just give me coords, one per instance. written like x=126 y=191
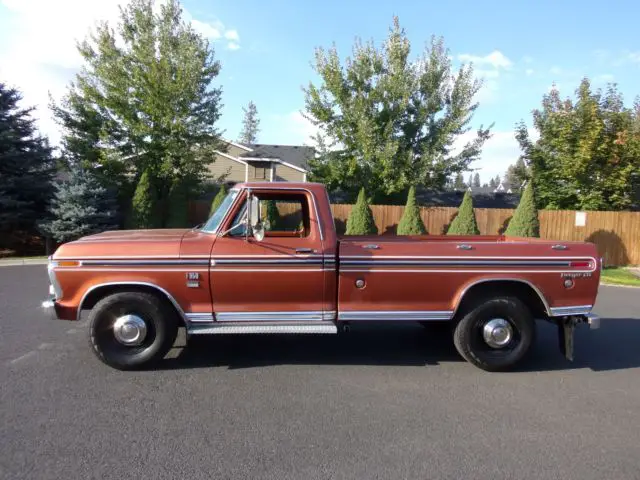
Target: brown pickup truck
x=249 y=270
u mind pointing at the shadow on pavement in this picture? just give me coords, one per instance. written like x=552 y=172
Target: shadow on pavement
x=615 y=346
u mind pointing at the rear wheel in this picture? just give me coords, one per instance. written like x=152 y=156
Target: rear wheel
x=496 y=334
x=130 y=330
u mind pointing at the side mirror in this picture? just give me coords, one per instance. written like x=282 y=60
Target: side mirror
x=257 y=229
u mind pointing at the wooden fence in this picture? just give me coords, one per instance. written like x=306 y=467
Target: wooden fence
x=617 y=234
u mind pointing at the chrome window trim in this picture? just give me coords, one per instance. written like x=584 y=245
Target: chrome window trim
x=226 y=214
x=298 y=189
x=144 y=284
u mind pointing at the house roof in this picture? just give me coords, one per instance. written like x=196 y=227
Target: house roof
x=295 y=155
x=480 y=200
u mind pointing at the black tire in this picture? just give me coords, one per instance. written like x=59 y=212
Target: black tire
x=470 y=343
x=160 y=320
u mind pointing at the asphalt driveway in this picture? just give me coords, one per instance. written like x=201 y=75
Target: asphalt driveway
x=372 y=404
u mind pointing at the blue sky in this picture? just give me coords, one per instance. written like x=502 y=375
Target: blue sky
x=266 y=49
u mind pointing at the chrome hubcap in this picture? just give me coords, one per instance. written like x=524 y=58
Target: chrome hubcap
x=130 y=330
x=497 y=333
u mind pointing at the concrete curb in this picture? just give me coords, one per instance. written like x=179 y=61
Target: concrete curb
x=16 y=262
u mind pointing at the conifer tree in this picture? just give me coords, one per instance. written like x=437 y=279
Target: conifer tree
x=411 y=222
x=465 y=222
x=360 y=221
x=524 y=222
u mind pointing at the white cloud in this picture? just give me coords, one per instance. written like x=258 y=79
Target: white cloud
x=233 y=46
x=232 y=35
x=529 y=71
x=605 y=78
x=495 y=59
x=527 y=59
x=500 y=151
x=488 y=68
x=207 y=30
x=290 y=129
x=634 y=57
x=556 y=71
x=38 y=52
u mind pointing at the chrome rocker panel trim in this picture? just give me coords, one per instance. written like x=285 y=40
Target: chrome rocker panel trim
x=302 y=316
x=232 y=329
x=420 y=315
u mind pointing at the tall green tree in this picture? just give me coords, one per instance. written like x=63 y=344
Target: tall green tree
x=411 y=223
x=389 y=121
x=516 y=175
x=587 y=152
x=26 y=169
x=492 y=183
x=476 y=180
x=144 y=100
x=465 y=222
x=250 y=124
x=458 y=183
x=360 y=221
x=81 y=206
x=524 y=222
x=145 y=209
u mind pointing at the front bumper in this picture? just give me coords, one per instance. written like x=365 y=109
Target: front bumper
x=49 y=307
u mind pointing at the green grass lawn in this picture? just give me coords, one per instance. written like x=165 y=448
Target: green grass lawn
x=619 y=276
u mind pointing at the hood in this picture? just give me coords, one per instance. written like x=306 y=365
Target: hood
x=159 y=243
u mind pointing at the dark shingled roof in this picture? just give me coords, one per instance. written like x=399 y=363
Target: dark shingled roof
x=480 y=200
x=294 y=154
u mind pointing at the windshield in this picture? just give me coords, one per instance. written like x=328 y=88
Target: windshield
x=213 y=223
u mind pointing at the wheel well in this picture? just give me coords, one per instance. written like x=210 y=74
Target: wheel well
x=492 y=288
x=98 y=293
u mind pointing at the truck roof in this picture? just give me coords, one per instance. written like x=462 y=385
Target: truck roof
x=276 y=184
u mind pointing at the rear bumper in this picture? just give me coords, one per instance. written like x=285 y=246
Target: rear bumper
x=593 y=321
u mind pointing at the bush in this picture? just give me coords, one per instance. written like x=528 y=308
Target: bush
x=524 y=222
x=272 y=218
x=144 y=207
x=465 y=222
x=411 y=222
x=360 y=221
x=222 y=193
x=178 y=215
x=81 y=206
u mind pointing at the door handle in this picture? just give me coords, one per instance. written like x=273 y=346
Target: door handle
x=305 y=250
x=464 y=247
x=560 y=247
x=371 y=246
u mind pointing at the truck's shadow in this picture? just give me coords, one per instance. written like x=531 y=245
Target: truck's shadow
x=615 y=346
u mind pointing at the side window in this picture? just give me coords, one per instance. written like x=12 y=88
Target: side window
x=285 y=216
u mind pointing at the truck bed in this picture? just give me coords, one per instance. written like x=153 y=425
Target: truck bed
x=425 y=276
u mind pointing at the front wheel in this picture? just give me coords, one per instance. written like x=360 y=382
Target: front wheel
x=495 y=334
x=129 y=330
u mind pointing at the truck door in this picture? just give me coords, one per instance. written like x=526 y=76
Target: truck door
x=280 y=278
